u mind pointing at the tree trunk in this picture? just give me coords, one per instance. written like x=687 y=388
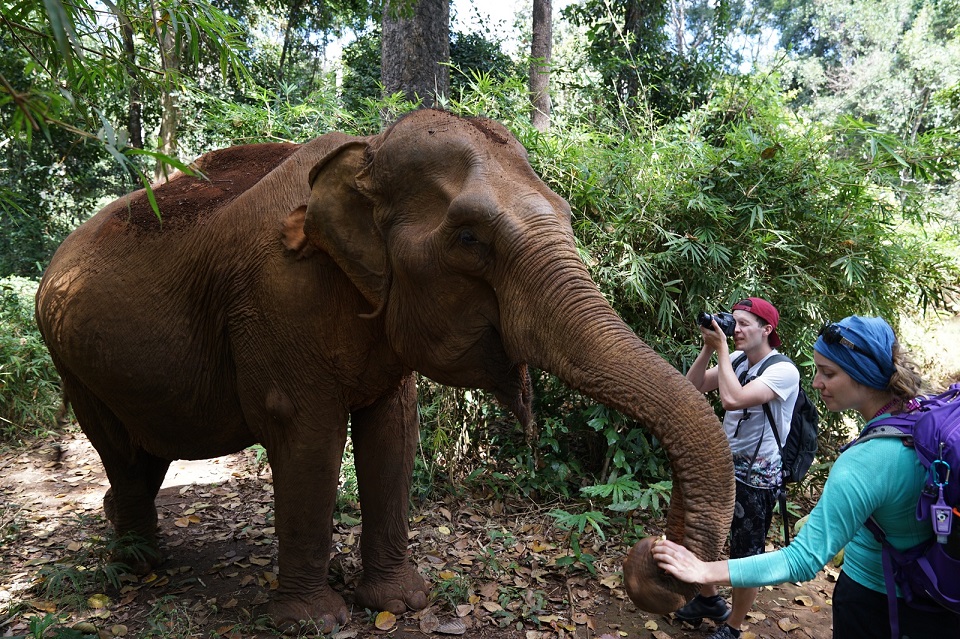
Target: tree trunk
x=292 y=19
x=680 y=28
x=415 y=51
x=170 y=112
x=134 y=108
x=540 y=53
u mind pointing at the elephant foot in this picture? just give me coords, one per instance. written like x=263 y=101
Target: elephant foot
x=405 y=591
x=138 y=558
x=650 y=588
x=321 y=614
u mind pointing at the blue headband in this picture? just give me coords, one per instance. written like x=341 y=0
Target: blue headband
x=870 y=359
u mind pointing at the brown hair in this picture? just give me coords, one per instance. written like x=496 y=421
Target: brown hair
x=906 y=382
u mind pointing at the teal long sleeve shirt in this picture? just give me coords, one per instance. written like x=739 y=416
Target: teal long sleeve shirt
x=879 y=477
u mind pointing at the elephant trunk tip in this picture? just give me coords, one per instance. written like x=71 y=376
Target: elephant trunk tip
x=649 y=587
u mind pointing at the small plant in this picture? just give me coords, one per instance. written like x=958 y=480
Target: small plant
x=10 y=524
x=577 y=525
x=90 y=569
x=452 y=588
x=519 y=605
x=42 y=627
x=167 y=619
x=260 y=460
x=492 y=566
x=348 y=493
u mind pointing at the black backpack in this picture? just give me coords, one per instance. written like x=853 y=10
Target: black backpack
x=800 y=448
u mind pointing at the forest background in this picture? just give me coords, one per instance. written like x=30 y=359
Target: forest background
x=806 y=152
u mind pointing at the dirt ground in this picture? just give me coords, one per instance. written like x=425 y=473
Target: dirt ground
x=492 y=563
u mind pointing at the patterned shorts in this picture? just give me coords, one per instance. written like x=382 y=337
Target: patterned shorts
x=752 y=515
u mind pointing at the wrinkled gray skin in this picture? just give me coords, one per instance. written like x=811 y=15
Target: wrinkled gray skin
x=302 y=286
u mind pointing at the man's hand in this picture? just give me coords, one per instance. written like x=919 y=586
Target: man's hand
x=714 y=338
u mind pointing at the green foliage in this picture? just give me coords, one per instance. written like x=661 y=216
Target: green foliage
x=361 y=70
x=452 y=590
x=90 y=568
x=489 y=559
x=475 y=55
x=579 y=522
x=626 y=494
x=641 y=62
x=882 y=62
x=44 y=183
x=42 y=626
x=472 y=56
x=591 y=521
x=168 y=619
x=29 y=384
x=449 y=419
x=348 y=494
x=75 y=65
x=621 y=495
x=630 y=450
x=519 y=605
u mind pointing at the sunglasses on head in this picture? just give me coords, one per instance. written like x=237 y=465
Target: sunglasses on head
x=832 y=334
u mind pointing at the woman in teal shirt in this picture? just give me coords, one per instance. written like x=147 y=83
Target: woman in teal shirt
x=860 y=367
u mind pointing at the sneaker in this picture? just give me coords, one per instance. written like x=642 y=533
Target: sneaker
x=724 y=632
x=714 y=608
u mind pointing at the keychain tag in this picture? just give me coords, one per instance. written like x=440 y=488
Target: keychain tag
x=942 y=516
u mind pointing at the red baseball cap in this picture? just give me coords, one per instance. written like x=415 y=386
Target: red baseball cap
x=765 y=311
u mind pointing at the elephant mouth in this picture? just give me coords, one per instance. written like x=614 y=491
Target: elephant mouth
x=518 y=396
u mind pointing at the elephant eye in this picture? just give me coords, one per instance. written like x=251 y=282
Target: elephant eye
x=467 y=238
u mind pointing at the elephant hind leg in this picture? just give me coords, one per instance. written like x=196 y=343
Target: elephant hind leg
x=135 y=478
x=130 y=505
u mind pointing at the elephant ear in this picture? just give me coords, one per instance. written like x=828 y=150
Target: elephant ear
x=294 y=238
x=339 y=221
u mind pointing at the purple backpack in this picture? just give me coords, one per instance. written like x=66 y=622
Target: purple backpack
x=928 y=574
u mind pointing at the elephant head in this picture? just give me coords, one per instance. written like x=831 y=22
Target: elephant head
x=469 y=260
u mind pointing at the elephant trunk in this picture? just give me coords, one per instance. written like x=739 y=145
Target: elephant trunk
x=571 y=331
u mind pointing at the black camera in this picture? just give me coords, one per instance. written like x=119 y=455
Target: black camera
x=726 y=321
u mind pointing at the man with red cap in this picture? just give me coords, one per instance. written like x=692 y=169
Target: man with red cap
x=756 y=454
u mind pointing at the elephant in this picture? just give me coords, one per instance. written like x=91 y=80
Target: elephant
x=294 y=290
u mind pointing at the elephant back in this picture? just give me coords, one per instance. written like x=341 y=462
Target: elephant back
x=223 y=175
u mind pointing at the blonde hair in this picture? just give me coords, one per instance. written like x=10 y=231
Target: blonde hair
x=906 y=381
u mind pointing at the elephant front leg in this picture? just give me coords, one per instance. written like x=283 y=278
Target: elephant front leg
x=305 y=475
x=385 y=437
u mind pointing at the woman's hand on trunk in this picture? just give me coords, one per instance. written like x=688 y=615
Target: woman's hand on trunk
x=687 y=567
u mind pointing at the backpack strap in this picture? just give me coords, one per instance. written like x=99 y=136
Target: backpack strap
x=773 y=359
x=884 y=430
x=892 y=426
x=888 y=579
x=740 y=359
x=781 y=493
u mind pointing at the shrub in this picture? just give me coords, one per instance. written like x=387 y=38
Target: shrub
x=29 y=383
